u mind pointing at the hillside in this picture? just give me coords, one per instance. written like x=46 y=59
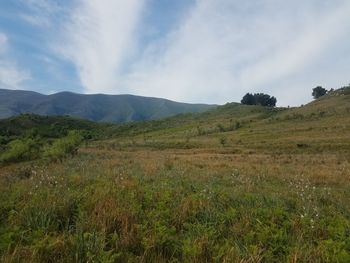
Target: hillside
x=234 y=184
x=98 y=107
x=322 y=123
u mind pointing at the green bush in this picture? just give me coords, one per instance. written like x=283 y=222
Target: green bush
x=64 y=146
x=19 y=150
x=223 y=141
x=3 y=140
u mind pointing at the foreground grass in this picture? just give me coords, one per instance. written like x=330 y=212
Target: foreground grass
x=137 y=205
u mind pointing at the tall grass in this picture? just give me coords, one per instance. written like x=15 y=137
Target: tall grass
x=176 y=206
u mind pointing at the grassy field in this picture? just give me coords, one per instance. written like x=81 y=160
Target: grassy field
x=235 y=184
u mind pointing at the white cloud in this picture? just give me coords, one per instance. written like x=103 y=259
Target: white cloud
x=45 y=8
x=219 y=51
x=36 y=20
x=307 y=44
x=228 y=47
x=98 y=39
x=43 y=13
x=11 y=76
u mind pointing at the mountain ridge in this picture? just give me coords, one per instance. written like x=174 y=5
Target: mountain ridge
x=96 y=107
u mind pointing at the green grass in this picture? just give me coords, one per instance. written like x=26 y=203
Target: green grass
x=191 y=188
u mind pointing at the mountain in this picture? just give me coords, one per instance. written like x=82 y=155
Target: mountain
x=97 y=107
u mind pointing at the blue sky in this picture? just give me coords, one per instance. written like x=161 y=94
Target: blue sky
x=211 y=51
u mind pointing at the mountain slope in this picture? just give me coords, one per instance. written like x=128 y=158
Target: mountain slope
x=98 y=107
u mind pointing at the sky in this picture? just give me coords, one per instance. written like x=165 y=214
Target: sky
x=197 y=51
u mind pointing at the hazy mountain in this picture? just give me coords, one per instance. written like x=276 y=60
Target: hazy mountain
x=97 y=107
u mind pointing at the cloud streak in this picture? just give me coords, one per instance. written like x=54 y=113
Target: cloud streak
x=217 y=52
x=42 y=13
x=98 y=39
x=226 y=48
x=11 y=76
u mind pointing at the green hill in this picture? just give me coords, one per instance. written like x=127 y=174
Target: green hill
x=98 y=107
x=322 y=123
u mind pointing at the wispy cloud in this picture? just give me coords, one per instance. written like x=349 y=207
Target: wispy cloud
x=46 y=6
x=98 y=39
x=36 y=20
x=11 y=76
x=306 y=42
x=216 y=51
x=226 y=48
x=41 y=12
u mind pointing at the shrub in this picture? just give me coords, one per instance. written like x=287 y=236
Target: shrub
x=19 y=150
x=221 y=127
x=64 y=146
x=223 y=141
x=238 y=125
x=3 y=140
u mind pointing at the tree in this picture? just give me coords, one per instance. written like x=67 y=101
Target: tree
x=248 y=99
x=272 y=102
x=259 y=99
x=265 y=100
x=318 y=92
